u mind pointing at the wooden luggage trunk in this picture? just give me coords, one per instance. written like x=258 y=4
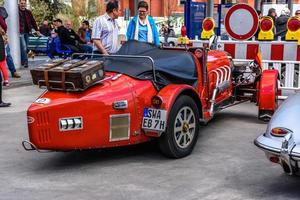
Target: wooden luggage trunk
x=68 y=75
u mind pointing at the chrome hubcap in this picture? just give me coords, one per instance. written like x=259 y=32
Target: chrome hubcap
x=184 y=127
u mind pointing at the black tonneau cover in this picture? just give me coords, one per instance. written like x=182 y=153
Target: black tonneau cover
x=171 y=66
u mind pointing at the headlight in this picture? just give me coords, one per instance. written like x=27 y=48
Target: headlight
x=70 y=124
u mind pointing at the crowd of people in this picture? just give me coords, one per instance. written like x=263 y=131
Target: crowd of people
x=102 y=38
x=280 y=23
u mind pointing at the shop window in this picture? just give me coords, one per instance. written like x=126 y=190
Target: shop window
x=267 y=1
x=181 y=2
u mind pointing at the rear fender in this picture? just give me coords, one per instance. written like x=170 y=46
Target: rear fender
x=170 y=93
x=268 y=90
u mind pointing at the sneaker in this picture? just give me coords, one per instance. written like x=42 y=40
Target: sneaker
x=6 y=83
x=2 y=104
x=16 y=75
x=25 y=66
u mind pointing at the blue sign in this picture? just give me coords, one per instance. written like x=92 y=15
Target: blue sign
x=195 y=13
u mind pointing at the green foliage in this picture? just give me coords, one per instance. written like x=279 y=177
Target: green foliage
x=79 y=11
x=45 y=9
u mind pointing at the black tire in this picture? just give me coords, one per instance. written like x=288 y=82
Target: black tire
x=171 y=44
x=170 y=143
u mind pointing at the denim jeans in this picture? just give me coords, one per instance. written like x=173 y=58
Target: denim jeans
x=9 y=60
x=87 y=48
x=24 y=38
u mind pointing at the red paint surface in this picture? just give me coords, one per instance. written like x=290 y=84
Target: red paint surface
x=230 y=48
x=252 y=50
x=277 y=52
x=267 y=92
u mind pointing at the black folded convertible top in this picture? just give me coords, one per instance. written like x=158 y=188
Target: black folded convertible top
x=171 y=66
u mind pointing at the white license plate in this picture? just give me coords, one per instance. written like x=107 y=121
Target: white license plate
x=154 y=119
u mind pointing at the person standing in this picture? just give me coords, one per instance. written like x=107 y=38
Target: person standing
x=272 y=13
x=142 y=27
x=9 y=59
x=106 y=30
x=26 y=24
x=3 y=70
x=164 y=31
x=281 y=22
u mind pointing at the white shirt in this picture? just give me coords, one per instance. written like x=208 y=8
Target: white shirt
x=106 y=29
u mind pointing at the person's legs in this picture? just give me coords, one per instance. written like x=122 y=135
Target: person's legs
x=26 y=37
x=2 y=104
x=24 y=59
x=0 y=87
x=87 y=48
x=10 y=61
x=73 y=48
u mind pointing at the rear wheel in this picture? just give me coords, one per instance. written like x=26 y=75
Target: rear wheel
x=171 y=44
x=183 y=128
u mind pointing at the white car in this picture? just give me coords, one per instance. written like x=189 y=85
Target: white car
x=281 y=141
x=172 y=41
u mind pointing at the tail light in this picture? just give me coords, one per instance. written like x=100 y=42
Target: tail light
x=156 y=101
x=293 y=24
x=280 y=132
x=274 y=159
x=266 y=24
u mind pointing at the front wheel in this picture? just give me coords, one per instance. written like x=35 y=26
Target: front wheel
x=183 y=128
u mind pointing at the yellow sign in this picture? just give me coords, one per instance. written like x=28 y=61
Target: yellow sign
x=208 y=27
x=293 y=27
x=266 y=25
x=183 y=40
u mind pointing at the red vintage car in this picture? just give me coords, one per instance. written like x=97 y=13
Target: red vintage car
x=149 y=93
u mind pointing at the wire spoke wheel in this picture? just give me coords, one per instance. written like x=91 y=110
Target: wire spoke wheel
x=184 y=129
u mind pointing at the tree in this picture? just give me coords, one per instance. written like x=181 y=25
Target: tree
x=85 y=8
x=170 y=7
x=46 y=9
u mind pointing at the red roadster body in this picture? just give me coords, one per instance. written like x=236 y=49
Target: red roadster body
x=148 y=93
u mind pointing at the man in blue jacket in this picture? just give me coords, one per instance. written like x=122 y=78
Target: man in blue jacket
x=142 y=27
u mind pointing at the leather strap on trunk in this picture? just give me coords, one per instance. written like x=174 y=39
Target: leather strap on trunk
x=46 y=77
x=63 y=80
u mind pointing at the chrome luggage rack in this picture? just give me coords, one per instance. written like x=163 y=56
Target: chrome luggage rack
x=73 y=89
x=92 y=55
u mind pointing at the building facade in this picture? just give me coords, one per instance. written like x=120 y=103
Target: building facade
x=163 y=8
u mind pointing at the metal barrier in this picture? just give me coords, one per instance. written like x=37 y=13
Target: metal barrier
x=270 y=50
x=288 y=74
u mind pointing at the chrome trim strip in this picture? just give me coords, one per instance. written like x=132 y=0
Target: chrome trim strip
x=260 y=143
